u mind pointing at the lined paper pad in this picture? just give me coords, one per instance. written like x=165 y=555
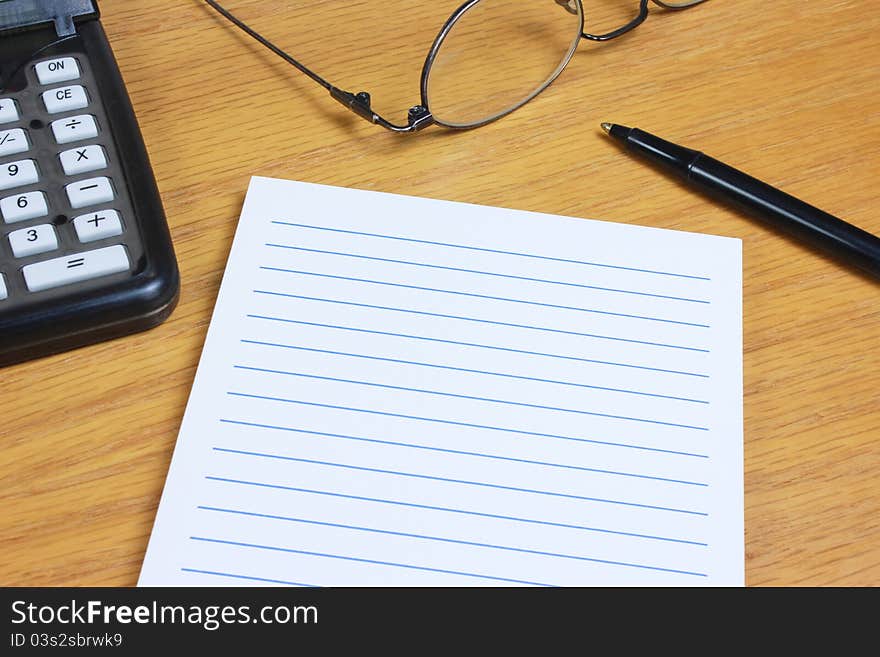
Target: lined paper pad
x=401 y=391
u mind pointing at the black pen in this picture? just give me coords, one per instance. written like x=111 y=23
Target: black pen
x=822 y=230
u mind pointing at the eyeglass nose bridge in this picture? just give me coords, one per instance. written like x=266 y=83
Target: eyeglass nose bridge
x=633 y=24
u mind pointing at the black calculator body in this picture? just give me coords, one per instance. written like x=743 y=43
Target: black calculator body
x=85 y=252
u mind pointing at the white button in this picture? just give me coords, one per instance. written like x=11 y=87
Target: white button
x=89 y=192
x=98 y=225
x=8 y=111
x=75 y=268
x=13 y=141
x=83 y=159
x=23 y=207
x=57 y=70
x=74 y=128
x=16 y=174
x=33 y=240
x=2 y=287
x=65 y=99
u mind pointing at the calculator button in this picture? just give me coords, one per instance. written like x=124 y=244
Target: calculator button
x=65 y=99
x=8 y=111
x=98 y=225
x=3 y=292
x=33 y=240
x=13 y=141
x=75 y=268
x=74 y=128
x=23 y=207
x=57 y=70
x=83 y=159
x=89 y=192
x=17 y=174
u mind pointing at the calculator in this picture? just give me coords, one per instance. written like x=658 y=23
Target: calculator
x=85 y=252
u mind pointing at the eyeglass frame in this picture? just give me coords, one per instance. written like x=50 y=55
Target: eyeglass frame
x=419 y=116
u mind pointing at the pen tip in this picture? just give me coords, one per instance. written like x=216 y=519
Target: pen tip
x=607 y=127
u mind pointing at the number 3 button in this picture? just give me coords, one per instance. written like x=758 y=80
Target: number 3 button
x=30 y=241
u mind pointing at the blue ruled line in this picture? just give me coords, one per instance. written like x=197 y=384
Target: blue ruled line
x=480 y=296
x=453 y=395
x=482 y=484
x=475 y=344
x=441 y=539
x=462 y=453
x=444 y=509
x=362 y=560
x=471 y=371
x=484 y=250
x=490 y=273
x=247 y=577
x=467 y=424
x=482 y=321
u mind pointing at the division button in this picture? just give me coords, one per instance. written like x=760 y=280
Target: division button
x=75 y=128
x=75 y=268
x=57 y=70
x=97 y=225
x=89 y=192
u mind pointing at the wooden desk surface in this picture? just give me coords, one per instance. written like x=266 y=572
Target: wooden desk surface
x=787 y=90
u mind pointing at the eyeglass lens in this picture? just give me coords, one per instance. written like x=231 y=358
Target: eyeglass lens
x=496 y=56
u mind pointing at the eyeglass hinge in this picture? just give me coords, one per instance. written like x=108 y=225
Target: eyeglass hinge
x=360 y=103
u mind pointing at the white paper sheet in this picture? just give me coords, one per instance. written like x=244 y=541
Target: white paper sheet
x=402 y=391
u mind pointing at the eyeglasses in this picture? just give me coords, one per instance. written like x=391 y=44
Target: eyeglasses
x=490 y=58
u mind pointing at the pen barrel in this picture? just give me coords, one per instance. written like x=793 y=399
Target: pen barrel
x=823 y=231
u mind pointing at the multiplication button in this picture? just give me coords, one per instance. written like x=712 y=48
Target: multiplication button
x=74 y=128
x=83 y=159
x=23 y=207
x=89 y=192
x=13 y=141
x=97 y=225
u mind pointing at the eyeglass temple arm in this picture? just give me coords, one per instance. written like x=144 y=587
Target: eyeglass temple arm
x=418 y=117
x=634 y=23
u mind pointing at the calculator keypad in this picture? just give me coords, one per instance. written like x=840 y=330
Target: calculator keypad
x=13 y=141
x=65 y=99
x=31 y=241
x=18 y=174
x=97 y=225
x=75 y=128
x=75 y=268
x=62 y=196
x=57 y=70
x=8 y=110
x=89 y=192
x=83 y=159
x=30 y=205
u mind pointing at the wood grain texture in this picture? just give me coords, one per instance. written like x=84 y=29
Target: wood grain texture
x=786 y=90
